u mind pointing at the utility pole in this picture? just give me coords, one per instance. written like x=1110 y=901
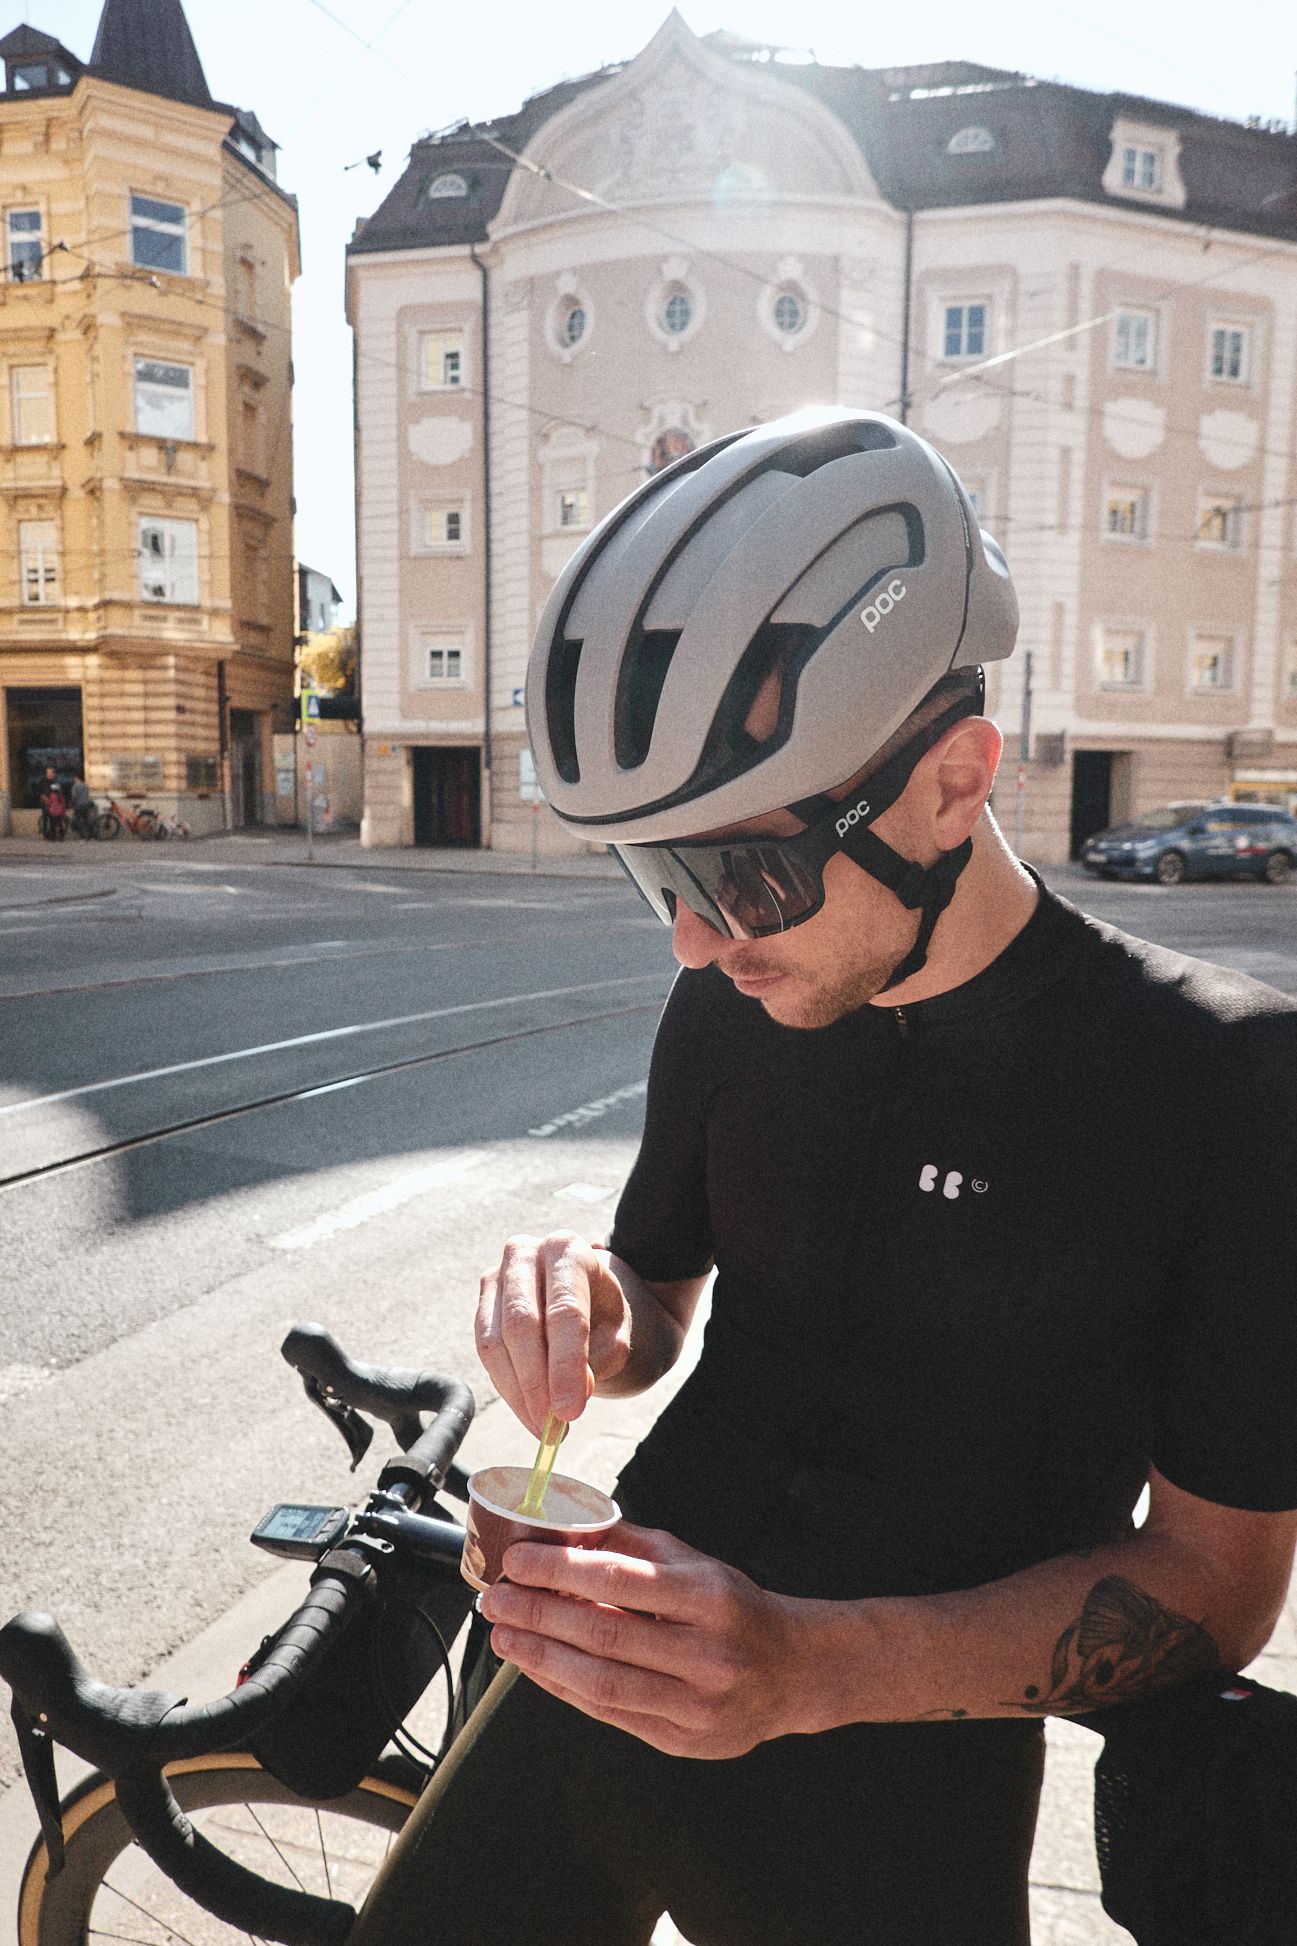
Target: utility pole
x=1024 y=753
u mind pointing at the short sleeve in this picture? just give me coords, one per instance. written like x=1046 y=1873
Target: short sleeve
x=1225 y=1420
x=663 y=1228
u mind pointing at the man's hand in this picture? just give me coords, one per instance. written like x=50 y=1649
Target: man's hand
x=655 y=1638
x=553 y=1322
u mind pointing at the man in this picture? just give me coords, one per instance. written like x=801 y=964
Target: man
x=993 y=1196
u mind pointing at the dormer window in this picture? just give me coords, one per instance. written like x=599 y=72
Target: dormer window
x=1141 y=168
x=32 y=74
x=446 y=186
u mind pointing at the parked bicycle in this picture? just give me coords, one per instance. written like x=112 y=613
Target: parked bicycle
x=141 y=821
x=272 y=1807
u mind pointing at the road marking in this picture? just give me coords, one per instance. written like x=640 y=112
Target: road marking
x=590 y=1111
x=402 y=1189
x=327 y=1034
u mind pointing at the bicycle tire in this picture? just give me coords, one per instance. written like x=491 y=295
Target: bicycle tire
x=319 y=1846
x=107 y=824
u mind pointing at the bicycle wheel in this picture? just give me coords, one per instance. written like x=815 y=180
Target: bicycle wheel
x=109 y=1890
x=107 y=824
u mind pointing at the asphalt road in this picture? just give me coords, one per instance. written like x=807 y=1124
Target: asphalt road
x=231 y=1097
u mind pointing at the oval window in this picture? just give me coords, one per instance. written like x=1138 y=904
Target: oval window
x=572 y=325
x=677 y=313
x=790 y=313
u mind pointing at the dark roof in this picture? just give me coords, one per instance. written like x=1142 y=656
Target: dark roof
x=29 y=44
x=1046 y=139
x=147 y=44
x=408 y=219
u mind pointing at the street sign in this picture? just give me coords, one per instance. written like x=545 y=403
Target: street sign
x=312 y=706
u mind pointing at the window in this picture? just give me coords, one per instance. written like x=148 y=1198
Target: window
x=164 y=399
x=1134 y=340
x=1290 y=673
x=1228 y=355
x=789 y=313
x=1220 y=520
x=158 y=235
x=445 y=660
x=447 y=186
x=247 y=288
x=1120 y=663
x=168 y=560
x=38 y=549
x=1211 y=664
x=670 y=445
x=964 y=331
x=441 y=361
x=1141 y=168
x=31 y=74
x=202 y=773
x=572 y=327
x=33 y=406
x=1125 y=513
x=441 y=528
x=250 y=449
x=573 y=507
x=677 y=312
x=26 y=250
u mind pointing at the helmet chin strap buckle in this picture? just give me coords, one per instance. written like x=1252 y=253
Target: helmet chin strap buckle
x=936 y=887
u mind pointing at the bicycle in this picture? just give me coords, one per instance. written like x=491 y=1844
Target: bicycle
x=142 y=822
x=292 y=1771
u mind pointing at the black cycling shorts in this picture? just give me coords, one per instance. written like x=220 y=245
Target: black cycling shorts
x=546 y=1828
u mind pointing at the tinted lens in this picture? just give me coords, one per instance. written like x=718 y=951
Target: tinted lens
x=764 y=889
x=745 y=891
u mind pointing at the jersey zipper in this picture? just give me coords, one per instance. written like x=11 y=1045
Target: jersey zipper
x=902 y=1023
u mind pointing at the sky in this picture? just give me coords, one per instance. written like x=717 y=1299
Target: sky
x=333 y=81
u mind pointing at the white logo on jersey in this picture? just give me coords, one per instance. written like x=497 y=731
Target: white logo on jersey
x=951 y=1184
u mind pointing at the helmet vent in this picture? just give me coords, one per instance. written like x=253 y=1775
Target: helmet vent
x=639 y=692
x=828 y=443
x=560 y=708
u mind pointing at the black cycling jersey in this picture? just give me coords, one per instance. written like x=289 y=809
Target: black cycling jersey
x=981 y=1262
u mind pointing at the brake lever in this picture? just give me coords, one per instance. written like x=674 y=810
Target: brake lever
x=355 y=1430
x=37 y=1748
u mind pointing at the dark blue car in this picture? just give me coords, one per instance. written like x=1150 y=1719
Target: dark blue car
x=1197 y=841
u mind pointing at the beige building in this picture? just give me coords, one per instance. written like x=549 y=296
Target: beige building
x=1089 y=302
x=146 y=562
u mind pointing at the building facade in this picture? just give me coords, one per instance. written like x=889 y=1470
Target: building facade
x=147 y=595
x=1088 y=302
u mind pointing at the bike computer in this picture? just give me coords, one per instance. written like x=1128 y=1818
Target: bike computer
x=300 y=1533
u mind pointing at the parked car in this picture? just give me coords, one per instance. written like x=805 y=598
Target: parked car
x=1182 y=841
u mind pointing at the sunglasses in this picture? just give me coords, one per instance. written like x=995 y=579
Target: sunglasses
x=749 y=888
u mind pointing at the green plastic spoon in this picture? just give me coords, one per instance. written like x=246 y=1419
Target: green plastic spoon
x=532 y=1503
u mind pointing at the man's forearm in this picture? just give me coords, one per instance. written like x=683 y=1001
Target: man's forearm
x=1071 y=1635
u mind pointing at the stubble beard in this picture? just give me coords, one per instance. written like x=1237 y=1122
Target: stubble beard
x=811 y=1004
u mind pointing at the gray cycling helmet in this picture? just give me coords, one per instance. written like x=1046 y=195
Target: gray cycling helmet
x=835 y=547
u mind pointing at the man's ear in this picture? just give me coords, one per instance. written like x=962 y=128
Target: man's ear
x=963 y=766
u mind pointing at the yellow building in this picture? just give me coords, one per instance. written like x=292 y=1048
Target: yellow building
x=146 y=549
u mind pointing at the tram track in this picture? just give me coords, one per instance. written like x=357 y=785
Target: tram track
x=375 y=1071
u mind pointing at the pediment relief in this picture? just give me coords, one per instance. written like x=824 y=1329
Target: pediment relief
x=681 y=124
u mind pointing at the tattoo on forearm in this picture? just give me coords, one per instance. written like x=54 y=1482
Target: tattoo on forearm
x=1122 y=1644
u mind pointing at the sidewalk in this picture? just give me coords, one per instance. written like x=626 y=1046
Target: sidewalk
x=288 y=846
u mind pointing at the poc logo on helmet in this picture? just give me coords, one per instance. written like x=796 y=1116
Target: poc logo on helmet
x=854 y=815
x=872 y=613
